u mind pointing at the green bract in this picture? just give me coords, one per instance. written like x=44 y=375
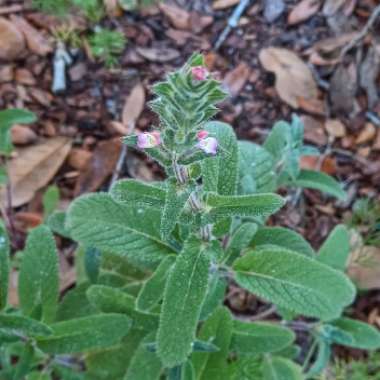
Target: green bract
x=154 y=261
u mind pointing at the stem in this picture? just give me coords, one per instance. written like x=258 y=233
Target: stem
x=310 y=354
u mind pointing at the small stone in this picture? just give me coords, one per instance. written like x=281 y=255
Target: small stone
x=273 y=9
x=12 y=41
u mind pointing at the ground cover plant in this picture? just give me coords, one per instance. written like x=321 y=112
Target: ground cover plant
x=156 y=259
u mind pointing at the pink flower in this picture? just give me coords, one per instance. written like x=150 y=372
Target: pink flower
x=202 y=134
x=209 y=145
x=199 y=73
x=148 y=139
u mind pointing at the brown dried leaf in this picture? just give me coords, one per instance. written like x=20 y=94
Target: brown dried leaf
x=178 y=17
x=34 y=167
x=235 y=79
x=223 y=4
x=294 y=79
x=303 y=11
x=22 y=135
x=99 y=167
x=335 y=128
x=158 y=54
x=35 y=40
x=12 y=42
x=134 y=105
x=314 y=132
x=367 y=134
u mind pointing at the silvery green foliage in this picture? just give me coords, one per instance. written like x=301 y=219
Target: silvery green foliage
x=154 y=261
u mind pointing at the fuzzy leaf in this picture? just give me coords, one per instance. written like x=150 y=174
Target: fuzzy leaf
x=218 y=330
x=257 y=205
x=259 y=338
x=38 y=285
x=220 y=173
x=56 y=222
x=92 y=257
x=319 y=181
x=175 y=201
x=282 y=237
x=85 y=334
x=17 y=324
x=336 y=248
x=145 y=365
x=4 y=265
x=97 y=220
x=365 y=336
x=294 y=281
x=277 y=368
x=183 y=298
x=131 y=191
x=322 y=359
x=240 y=240
x=153 y=289
x=256 y=167
x=215 y=295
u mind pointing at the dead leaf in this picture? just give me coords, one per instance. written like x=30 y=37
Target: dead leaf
x=314 y=132
x=24 y=221
x=35 y=40
x=43 y=97
x=235 y=79
x=34 y=167
x=178 y=17
x=314 y=106
x=327 y=166
x=24 y=76
x=294 y=79
x=335 y=128
x=223 y=4
x=113 y=8
x=158 y=54
x=303 y=11
x=99 y=167
x=22 y=135
x=367 y=134
x=12 y=42
x=369 y=72
x=78 y=158
x=134 y=105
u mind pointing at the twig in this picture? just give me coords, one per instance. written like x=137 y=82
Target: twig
x=367 y=27
x=232 y=23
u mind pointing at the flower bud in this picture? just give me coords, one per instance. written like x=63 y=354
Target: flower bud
x=148 y=139
x=209 y=145
x=202 y=134
x=199 y=73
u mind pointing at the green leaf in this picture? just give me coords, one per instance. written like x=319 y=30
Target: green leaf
x=132 y=191
x=183 y=298
x=92 y=259
x=85 y=334
x=245 y=368
x=56 y=222
x=282 y=237
x=278 y=141
x=365 y=336
x=38 y=285
x=218 y=330
x=145 y=365
x=176 y=197
x=257 y=205
x=24 y=326
x=3 y=176
x=153 y=289
x=319 y=181
x=336 y=248
x=220 y=173
x=50 y=200
x=97 y=220
x=256 y=167
x=4 y=265
x=277 y=368
x=295 y=282
x=240 y=240
x=8 y=118
x=259 y=338
x=215 y=295
x=111 y=300
x=322 y=360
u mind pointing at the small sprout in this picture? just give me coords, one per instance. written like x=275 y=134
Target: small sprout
x=209 y=145
x=148 y=139
x=199 y=73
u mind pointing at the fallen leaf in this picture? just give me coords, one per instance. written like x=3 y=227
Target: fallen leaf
x=25 y=221
x=133 y=107
x=178 y=17
x=367 y=134
x=313 y=130
x=34 y=167
x=314 y=106
x=158 y=54
x=113 y=8
x=328 y=164
x=376 y=145
x=35 y=40
x=43 y=97
x=12 y=42
x=335 y=128
x=223 y=4
x=78 y=158
x=24 y=76
x=303 y=11
x=294 y=79
x=22 y=135
x=99 y=167
x=6 y=72
x=235 y=79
